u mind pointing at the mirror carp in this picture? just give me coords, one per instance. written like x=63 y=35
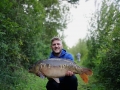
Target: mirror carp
x=57 y=67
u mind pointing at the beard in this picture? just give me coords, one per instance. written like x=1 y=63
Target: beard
x=57 y=52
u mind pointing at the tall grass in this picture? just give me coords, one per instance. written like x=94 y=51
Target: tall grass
x=29 y=81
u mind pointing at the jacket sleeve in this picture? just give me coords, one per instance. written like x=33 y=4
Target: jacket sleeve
x=70 y=57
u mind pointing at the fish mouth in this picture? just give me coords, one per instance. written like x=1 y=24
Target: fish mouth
x=40 y=75
x=30 y=69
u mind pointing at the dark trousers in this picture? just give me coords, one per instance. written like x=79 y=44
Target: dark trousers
x=66 y=83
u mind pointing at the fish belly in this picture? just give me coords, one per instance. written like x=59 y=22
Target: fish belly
x=54 y=72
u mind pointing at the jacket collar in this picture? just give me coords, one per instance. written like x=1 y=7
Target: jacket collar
x=63 y=52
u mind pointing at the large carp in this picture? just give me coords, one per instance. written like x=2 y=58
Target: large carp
x=57 y=67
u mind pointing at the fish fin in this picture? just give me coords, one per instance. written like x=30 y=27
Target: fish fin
x=84 y=77
x=57 y=80
x=87 y=71
x=41 y=75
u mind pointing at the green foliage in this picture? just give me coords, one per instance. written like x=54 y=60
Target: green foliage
x=103 y=46
x=22 y=80
x=80 y=47
x=26 y=27
x=29 y=81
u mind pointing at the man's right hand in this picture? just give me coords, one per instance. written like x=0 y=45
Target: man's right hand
x=69 y=73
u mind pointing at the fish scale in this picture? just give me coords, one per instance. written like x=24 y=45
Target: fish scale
x=56 y=62
x=57 y=67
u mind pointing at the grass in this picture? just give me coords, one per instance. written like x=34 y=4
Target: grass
x=29 y=81
x=81 y=84
x=36 y=83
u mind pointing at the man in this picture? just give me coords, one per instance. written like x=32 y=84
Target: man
x=69 y=82
x=78 y=56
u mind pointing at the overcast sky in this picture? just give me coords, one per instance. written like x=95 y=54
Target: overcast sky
x=77 y=28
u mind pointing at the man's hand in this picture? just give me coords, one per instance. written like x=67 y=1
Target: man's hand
x=69 y=73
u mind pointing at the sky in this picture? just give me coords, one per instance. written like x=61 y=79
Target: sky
x=77 y=28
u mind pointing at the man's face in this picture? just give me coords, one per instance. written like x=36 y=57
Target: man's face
x=56 y=46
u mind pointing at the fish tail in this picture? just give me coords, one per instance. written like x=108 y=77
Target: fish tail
x=85 y=73
x=84 y=77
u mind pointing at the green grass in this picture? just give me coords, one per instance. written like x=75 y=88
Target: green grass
x=29 y=81
x=36 y=83
x=81 y=84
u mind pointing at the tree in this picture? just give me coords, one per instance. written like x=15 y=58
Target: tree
x=103 y=51
x=25 y=29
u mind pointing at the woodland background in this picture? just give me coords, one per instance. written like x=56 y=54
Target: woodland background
x=26 y=27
